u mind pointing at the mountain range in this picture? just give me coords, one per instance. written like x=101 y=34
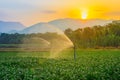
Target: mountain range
x=10 y=27
x=77 y=23
x=58 y=25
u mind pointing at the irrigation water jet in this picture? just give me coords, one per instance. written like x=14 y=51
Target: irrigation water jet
x=49 y=39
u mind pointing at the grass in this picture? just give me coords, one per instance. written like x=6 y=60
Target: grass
x=90 y=64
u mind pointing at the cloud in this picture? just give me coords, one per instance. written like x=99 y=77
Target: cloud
x=3 y=14
x=48 y=12
x=15 y=5
x=98 y=10
x=114 y=13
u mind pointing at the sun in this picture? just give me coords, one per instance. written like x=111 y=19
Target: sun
x=84 y=14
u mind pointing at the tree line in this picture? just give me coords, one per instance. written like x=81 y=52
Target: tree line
x=96 y=36
x=17 y=38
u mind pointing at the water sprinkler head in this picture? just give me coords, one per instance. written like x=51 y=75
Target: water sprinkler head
x=74 y=52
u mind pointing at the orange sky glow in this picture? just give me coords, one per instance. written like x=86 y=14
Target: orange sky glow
x=31 y=12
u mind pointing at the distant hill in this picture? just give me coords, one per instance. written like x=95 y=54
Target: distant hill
x=77 y=23
x=10 y=27
x=41 y=28
x=62 y=24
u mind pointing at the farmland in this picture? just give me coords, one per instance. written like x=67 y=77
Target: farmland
x=90 y=64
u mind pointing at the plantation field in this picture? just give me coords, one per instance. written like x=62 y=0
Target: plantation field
x=90 y=64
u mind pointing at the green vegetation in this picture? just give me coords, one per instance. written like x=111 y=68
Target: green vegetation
x=90 y=64
x=96 y=36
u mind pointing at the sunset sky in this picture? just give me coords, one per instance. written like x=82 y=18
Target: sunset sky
x=30 y=12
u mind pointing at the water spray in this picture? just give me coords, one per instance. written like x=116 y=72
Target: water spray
x=47 y=38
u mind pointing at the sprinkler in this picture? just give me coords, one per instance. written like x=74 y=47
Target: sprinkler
x=74 y=52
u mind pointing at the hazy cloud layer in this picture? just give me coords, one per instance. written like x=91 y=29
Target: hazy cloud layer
x=114 y=13
x=4 y=15
x=48 y=12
